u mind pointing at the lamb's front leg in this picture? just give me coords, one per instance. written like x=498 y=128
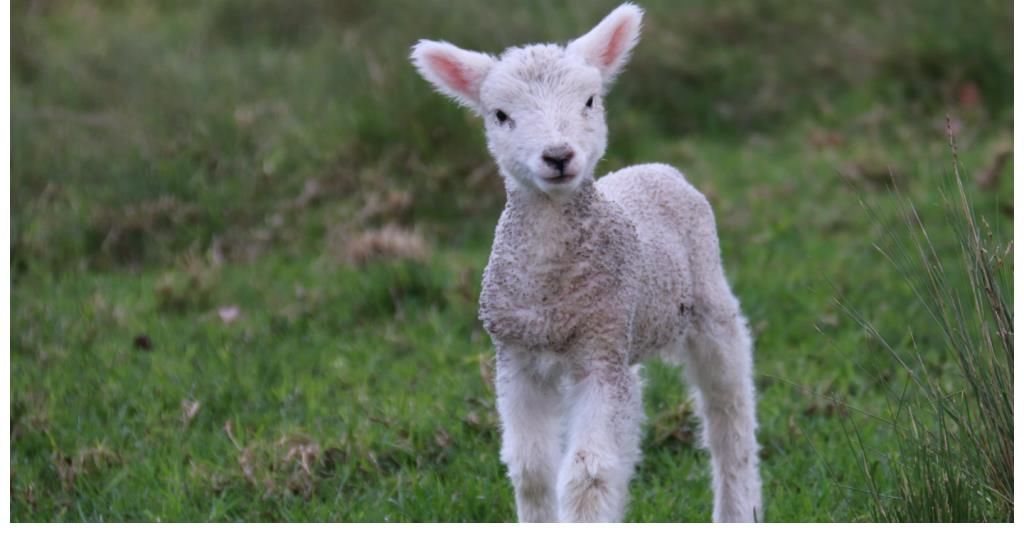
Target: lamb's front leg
x=530 y=408
x=606 y=414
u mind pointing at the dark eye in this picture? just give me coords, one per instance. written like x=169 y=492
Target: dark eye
x=501 y=116
x=590 y=102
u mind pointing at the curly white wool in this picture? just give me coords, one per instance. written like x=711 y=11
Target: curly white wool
x=587 y=279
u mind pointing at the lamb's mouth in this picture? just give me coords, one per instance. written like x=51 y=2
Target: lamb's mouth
x=560 y=179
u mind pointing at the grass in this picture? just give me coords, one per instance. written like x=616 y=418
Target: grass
x=954 y=460
x=247 y=242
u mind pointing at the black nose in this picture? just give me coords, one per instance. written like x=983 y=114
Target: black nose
x=558 y=157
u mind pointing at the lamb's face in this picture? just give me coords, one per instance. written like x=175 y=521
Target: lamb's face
x=544 y=117
x=541 y=104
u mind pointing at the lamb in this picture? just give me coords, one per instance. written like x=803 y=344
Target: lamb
x=587 y=279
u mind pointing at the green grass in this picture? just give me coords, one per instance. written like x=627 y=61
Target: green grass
x=954 y=461
x=170 y=160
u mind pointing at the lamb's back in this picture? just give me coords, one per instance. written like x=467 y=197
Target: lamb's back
x=655 y=195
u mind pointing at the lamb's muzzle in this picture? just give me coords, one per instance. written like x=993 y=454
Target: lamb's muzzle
x=559 y=159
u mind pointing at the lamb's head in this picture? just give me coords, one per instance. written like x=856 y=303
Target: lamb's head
x=541 y=104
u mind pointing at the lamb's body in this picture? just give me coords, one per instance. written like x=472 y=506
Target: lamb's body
x=587 y=279
x=577 y=291
x=612 y=261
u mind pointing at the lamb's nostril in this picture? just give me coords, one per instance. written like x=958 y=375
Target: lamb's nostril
x=556 y=163
x=558 y=157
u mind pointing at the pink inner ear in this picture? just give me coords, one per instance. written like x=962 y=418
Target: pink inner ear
x=450 y=71
x=615 y=44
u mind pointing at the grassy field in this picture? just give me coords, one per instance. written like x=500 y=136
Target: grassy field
x=247 y=243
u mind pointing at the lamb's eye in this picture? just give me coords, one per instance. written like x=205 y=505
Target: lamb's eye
x=501 y=116
x=590 y=102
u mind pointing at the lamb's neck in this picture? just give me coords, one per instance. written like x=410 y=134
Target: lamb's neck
x=534 y=208
x=540 y=235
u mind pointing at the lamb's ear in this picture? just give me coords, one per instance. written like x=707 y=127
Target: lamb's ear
x=608 y=45
x=455 y=72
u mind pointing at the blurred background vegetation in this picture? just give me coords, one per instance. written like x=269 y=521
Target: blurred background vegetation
x=247 y=242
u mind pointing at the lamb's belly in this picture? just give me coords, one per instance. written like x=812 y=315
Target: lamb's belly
x=550 y=365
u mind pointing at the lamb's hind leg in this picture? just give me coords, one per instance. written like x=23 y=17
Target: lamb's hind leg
x=719 y=367
x=719 y=370
x=530 y=407
x=605 y=418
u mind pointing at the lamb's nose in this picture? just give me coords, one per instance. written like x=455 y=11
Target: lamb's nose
x=558 y=156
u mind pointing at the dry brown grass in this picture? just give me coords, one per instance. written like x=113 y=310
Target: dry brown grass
x=87 y=461
x=293 y=465
x=391 y=242
x=190 y=285
x=189 y=410
x=677 y=425
x=392 y=206
x=127 y=231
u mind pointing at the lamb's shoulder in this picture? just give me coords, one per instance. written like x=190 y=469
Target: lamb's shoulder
x=542 y=288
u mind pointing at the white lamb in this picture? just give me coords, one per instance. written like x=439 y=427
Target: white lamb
x=587 y=279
